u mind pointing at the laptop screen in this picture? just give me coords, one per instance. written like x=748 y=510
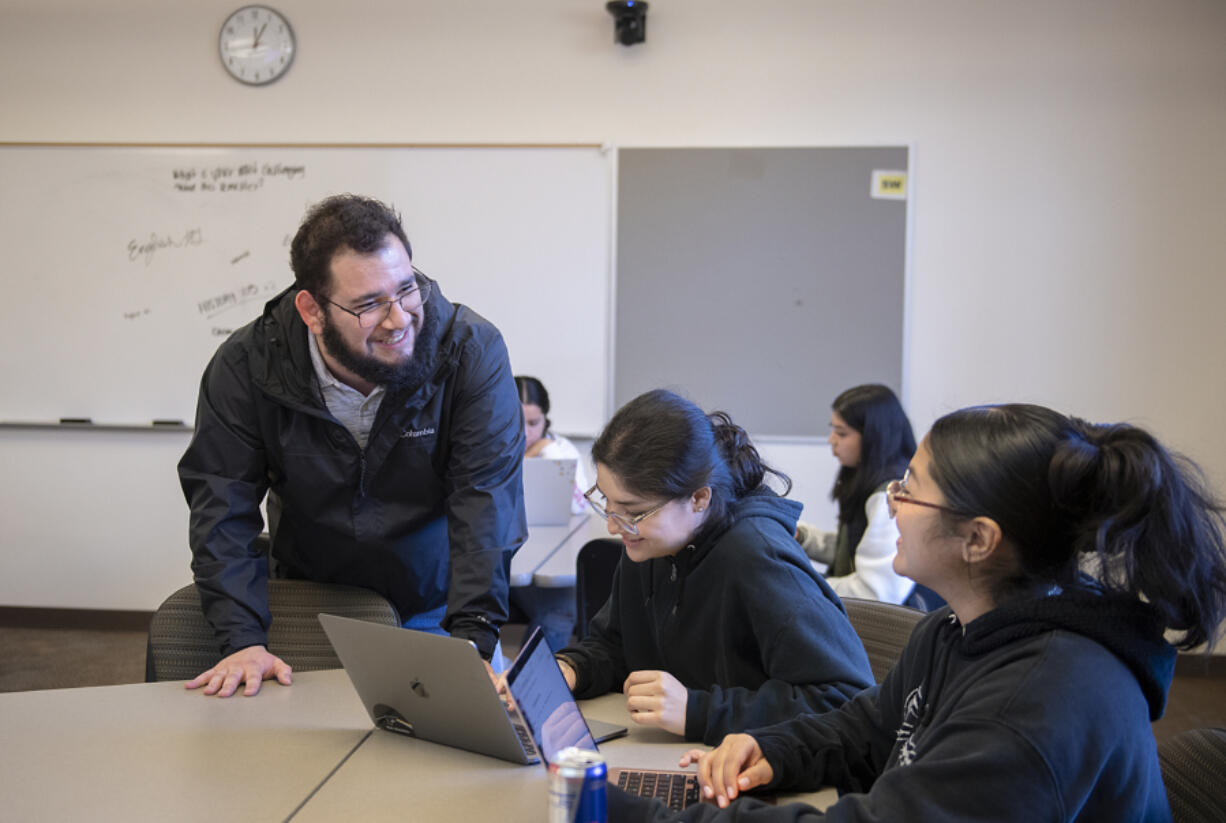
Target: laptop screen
x=549 y=490
x=545 y=702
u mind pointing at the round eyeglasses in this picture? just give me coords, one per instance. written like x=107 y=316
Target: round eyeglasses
x=627 y=523
x=410 y=299
x=896 y=492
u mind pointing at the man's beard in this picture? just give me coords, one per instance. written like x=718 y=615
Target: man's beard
x=408 y=373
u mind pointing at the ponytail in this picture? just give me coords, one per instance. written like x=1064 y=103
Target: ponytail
x=1063 y=490
x=741 y=457
x=1149 y=521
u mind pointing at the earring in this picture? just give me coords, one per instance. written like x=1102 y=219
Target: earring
x=701 y=509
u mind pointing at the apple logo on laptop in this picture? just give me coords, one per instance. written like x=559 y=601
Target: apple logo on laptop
x=419 y=689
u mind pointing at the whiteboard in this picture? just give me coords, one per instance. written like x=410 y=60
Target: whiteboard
x=128 y=265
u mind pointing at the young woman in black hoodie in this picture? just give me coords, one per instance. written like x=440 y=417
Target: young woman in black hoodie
x=1031 y=696
x=716 y=622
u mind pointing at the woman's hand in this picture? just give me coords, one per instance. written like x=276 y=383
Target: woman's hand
x=656 y=698
x=567 y=672
x=536 y=448
x=736 y=766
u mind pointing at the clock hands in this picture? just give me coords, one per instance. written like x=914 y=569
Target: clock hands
x=255 y=43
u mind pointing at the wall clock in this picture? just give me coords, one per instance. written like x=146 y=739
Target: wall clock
x=256 y=45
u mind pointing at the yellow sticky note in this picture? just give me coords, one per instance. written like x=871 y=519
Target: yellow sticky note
x=889 y=185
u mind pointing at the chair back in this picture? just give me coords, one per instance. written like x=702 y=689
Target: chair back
x=924 y=599
x=182 y=643
x=1194 y=772
x=883 y=628
x=594 y=567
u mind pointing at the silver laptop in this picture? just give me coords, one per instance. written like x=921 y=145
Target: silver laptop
x=549 y=489
x=543 y=699
x=433 y=687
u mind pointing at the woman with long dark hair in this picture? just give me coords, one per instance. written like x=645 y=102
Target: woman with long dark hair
x=871 y=438
x=1066 y=551
x=541 y=441
x=716 y=621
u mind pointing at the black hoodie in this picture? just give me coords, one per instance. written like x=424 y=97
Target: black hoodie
x=740 y=618
x=1037 y=711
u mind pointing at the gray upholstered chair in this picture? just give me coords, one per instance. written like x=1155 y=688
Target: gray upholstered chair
x=884 y=629
x=1194 y=771
x=182 y=644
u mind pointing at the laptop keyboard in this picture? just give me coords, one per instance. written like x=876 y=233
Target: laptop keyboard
x=676 y=790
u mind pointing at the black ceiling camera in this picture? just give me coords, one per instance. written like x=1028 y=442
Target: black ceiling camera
x=629 y=21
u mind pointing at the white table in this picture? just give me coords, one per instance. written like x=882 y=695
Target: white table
x=308 y=752
x=155 y=751
x=394 y=778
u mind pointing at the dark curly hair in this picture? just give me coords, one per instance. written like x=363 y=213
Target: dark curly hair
x=663 y=446
x=344 y=221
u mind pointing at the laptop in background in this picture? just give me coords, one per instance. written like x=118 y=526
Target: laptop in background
x=431 y=686
x=544 y=701
x=549 y=488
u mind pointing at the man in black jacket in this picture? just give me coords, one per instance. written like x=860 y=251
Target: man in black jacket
x=384 y=424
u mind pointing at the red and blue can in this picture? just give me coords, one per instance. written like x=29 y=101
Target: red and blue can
x=577 y=780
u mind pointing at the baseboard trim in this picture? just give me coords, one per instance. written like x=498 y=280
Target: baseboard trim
x=1199 y=664
x=22 y=617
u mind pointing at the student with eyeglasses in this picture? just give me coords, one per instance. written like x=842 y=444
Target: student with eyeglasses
x=1066 y=552
x=382 y=422
x=871 y=438
x=717 y=621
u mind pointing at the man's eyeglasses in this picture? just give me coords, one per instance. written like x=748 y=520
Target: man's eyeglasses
x=896 y=492
x=628 y=524
x=410 y=300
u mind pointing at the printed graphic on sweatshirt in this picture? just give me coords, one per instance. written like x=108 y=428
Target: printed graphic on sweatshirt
x=913 y=712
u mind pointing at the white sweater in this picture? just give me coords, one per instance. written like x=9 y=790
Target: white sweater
x=874 y=577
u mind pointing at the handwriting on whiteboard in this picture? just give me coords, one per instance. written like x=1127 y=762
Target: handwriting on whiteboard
x=239 y=177
x=145 y=249
x=216 y=304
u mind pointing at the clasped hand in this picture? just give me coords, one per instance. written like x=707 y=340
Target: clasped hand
x=736 y=766
x=656 y=698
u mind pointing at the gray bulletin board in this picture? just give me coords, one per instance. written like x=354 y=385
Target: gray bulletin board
x=760 y=281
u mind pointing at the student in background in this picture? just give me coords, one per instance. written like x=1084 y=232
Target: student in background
x=871 y=438
x=1031 y=697
x=716 y=621
x=544 y=443
x=550 y=608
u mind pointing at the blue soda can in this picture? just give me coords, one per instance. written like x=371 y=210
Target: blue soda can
x=577 y=787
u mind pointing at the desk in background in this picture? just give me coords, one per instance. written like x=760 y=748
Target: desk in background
x=543 y=543
x=558 y=569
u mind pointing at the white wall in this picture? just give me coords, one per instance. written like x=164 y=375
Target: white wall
x=1067 y=182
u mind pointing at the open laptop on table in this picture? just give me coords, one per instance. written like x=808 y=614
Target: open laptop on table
x=549 y=490
x=433 y=687
x=544 y=701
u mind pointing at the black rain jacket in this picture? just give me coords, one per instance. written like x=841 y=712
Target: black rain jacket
x=430 y=512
